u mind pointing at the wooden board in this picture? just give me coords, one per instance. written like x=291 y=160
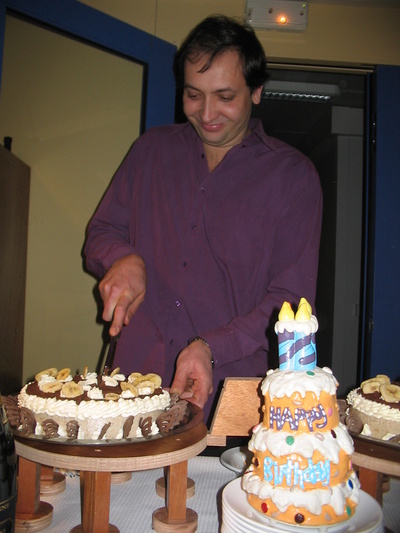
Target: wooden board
x=238 y=410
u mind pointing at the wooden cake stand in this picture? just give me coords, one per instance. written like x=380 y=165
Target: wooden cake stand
x=96 y=462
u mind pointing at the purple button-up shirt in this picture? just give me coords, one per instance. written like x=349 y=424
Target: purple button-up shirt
x=223 y=249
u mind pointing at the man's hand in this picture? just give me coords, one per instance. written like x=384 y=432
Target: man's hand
x=123 y=289
x=193 y=376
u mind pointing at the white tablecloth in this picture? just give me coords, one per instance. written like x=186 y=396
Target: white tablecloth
x=133 y=502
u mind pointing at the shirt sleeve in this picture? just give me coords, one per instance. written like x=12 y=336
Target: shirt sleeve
x=293 y=274
x=109 y=235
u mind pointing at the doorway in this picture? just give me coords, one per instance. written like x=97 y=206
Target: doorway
x=322 y=114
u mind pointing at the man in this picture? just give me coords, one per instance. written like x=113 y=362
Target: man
x=207 y=226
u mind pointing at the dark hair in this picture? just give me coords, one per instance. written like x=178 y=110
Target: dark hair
x=216 y=35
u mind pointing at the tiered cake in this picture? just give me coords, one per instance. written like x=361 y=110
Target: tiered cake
x=301 y=471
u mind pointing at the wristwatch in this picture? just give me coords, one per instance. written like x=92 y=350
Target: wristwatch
x=205 y=342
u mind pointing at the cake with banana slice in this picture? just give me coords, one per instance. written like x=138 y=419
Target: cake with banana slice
x=301 y=473
x=89 y=406
x=377 y=404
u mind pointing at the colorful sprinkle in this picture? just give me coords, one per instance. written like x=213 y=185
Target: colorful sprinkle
x=264 y=507
x=299 y=518
x=329 y=412
x=350 y=484
x=348 y=511
x=256 y=462
x=333 y=434
x=319 y=436
x=309 y=373
x=290 y=440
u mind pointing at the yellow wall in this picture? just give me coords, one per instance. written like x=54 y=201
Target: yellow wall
x=72 y=111
x=339 y=33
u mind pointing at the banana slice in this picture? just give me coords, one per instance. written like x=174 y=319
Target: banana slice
x=135 y=377
x=382 y=378
x=155 y=378
x=51 y=386
x=49 y=372
x=370 y=385
x=63 y=374
x=146 y=387
x=71 y=389
x=114 y=372
x=390 y=393
x=112 y=396
x=129 y=387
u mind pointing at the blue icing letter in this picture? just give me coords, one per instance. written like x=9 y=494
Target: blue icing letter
x=294 y=475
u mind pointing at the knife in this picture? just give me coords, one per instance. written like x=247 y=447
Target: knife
x=111 y=353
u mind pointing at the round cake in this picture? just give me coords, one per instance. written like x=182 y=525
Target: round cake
x=301 y=472
x=91 y=406
x=377 y=404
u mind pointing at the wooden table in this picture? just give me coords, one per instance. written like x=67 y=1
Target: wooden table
x=374 y=458
x=96 y=463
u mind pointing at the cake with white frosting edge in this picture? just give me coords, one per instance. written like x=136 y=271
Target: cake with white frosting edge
x=104 y=407
x=380 y=419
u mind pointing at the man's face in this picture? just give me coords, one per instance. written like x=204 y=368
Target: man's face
x=218 y=102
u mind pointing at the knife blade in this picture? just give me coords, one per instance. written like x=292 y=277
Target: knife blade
x=111 y=353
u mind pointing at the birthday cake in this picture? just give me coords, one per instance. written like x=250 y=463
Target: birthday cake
x=301 y=472
x=91 y=406
x=376 y=403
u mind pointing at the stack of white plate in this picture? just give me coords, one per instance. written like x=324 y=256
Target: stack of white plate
x=238 y=516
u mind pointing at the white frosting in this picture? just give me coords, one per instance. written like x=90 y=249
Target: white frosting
x=280 y=383
x=93 y=408
x=312 y=500
x=379 y=410
x=109 y=381
x=119 y=377
x=307 y=327
x=95 y=393
x=304 y=444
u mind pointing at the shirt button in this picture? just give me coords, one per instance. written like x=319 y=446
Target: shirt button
x=194 y=226
x=177 y=303
x=203 y=190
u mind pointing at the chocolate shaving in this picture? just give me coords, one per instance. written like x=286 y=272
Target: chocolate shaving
x=28 y=421
x=175 y=416
x=104 y=430
x=353 y=422
x=50 y=428
x=145 y=426
x=13 y=412
x=72 y=429
x=127 y=427
x=342 y=408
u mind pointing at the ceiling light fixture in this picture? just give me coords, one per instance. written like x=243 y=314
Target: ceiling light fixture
x=289 y=15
